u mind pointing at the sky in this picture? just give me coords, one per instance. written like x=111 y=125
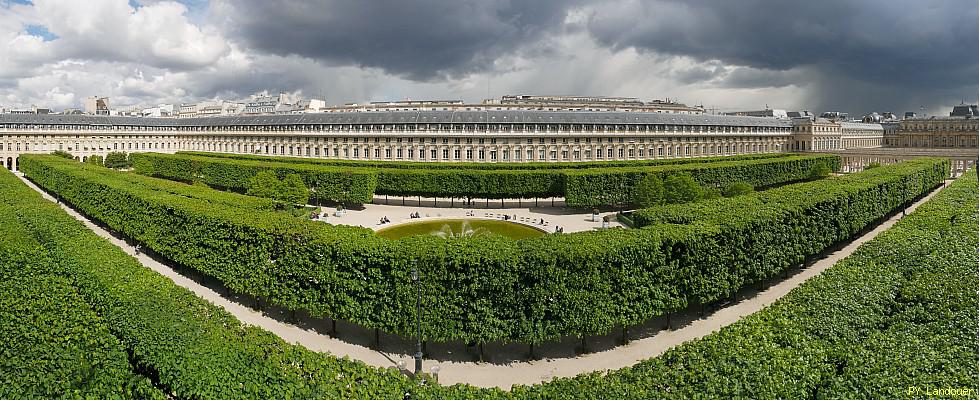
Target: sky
x=727 y=55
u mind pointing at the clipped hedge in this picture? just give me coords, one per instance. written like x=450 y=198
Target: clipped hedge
x=325 y=183
x=603 y=186
x=773 y=229
x=585 y=185
x=54 y=344
x=490 y=289
x=191 y=348
x=896 y=319
x=197 y=191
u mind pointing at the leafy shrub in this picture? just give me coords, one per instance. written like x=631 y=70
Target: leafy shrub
x=63 y=154
x=681 y=188
x=117 y=160
x=489 y=289
x=293 y=190
x=323 y=183
x=649 y=191
x=819 y=171
x=265 y=184
x=192 y=348
x=615 y=186
x=737 y=189
x=589 y=184
x=897 y=313
x=94 y=160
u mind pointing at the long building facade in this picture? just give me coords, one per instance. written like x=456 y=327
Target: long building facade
x=430 y=136
x=950 y=132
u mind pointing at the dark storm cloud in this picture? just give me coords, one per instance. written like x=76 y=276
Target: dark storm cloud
x=892 y=47
x=419 y=40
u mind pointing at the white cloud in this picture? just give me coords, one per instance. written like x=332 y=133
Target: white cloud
x=159 y=34
x=163 y=52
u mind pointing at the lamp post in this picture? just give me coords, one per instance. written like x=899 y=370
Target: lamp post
x=418 y=317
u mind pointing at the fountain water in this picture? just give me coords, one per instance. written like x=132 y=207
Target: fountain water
x=465 y=230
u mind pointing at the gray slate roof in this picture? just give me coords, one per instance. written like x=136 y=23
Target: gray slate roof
x=411 y=117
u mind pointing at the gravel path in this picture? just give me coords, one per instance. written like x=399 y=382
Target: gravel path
x=569 y=220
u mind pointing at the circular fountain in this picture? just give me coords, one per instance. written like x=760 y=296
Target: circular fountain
x=459 y=228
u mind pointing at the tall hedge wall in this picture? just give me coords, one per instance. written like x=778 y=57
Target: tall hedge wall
x=896 y=319
x=190 y=348
x=598 y=185
x=490 y=289
x=325 y=183
x=202 y=193
x=898 y=315
x=54 y=344
x=602 y=186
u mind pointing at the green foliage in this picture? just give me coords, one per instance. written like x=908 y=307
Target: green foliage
x=265 y=184
x=681 y=188
x=492 y=288
x=117 y=160
x=649 y=191
x=95 y=160
x=293 y=190
x=192 y=348
x=324 y=183
x=55 y=345
x=582 y=184
x=737 y=189
x=63 y=154
x=872 y=165
x=616 y=186
x=899 y=312
x=289 y=190
x=819 y=171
